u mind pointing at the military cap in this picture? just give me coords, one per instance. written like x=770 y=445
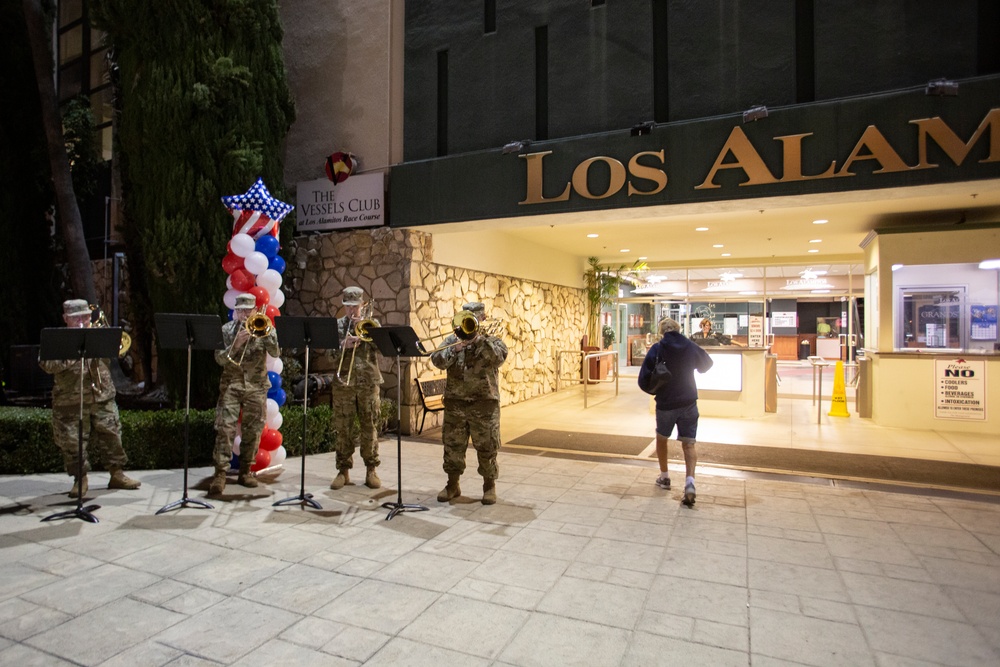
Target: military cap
x=475 y=307
x=352 y=296
x=75 y=307
x=245 y=301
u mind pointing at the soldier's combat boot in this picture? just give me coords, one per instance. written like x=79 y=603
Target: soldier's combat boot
x=489 y=491
x=119 y=480
x=452 y=490
x=247 y=478
x=80 y=487
x=371 y=479
x=218 y=484
x=342 y=478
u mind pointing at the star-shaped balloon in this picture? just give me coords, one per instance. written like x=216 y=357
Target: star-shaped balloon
x=256 y=211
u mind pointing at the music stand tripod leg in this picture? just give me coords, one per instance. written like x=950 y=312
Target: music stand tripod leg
x=399 y=506
x=185 y=501
x=303 y=498
x=80 y=512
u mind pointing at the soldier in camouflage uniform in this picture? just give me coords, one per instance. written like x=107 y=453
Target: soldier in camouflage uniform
x=471 y=405
x=243 y=386
x=358 y=398
x=101 y=425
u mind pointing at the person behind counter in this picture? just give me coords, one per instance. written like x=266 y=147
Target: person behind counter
x=706 y=337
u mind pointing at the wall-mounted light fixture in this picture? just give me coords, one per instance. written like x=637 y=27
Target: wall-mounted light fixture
x=942 y=87
x=515 y=146
x=755 y=113
x=640 y=129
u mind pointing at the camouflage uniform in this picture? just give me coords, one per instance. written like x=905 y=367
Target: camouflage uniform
x=471 y=402
x=242 y=386
x=101 y=424
x=360 y=398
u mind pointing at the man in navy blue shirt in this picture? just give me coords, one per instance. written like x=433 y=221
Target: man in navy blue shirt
x=677 y=399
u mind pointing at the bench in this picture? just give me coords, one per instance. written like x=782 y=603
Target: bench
x=431 y=388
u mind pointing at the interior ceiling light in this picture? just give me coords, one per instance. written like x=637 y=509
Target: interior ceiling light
x=727 y=254
x=814 y=250
x=820 y=221
x=717 y=245
x=624 y=250
x=643 y=258
x=985 y=264
x=592 y=236
x=815 y=240
x=701 y=229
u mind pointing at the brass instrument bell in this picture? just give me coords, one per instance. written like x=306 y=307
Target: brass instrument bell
x=99 y=321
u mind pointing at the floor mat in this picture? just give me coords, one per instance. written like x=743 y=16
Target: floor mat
x=839 y=464
x=584 y=442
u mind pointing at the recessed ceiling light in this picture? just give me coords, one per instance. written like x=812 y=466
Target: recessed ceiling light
x=624 y=250
x=591 y=236
x=814 y=250
x=815 y=240
x=727 y=254
x=717 y=245
x=820 y=221
x=701 y=229
x=643 y=259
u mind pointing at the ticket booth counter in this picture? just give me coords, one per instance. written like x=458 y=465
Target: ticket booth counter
x=735 y=386
x=932 y=298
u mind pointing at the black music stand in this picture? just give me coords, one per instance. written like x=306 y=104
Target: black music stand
x=306 y=332
x=398 y=342
x=177 y=331
x=64 y=344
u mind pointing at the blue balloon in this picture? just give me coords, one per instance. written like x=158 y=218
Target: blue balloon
x=268 y=245
x=274 y=379
x=276 y=263
x=277 y=395
x=235 y=463
x=230 y=313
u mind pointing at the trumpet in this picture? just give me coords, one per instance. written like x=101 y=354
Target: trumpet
x=361 y=329
x=98 y=320
x=258 y=325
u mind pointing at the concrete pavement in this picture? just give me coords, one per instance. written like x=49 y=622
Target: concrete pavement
x=582 y=562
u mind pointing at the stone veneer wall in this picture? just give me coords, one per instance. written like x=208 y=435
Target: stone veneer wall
x=396 y=269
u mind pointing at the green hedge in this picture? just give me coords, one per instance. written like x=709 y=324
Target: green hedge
x=152 y=439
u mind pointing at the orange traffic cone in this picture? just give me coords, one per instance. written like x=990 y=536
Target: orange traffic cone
x=838 y=402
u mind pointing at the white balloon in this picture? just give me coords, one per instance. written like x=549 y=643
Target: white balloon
x=229 y=282
x=242 y=245
x=278 y=456
x=272 y=408
x=277 y=298
x=279 y=366
x=269 y=362
x=236 y=445
x=276 y=421
x=270 y=280
x=255 y=263
x=229 y=298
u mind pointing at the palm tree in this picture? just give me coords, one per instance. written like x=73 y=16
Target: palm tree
x=68 y=218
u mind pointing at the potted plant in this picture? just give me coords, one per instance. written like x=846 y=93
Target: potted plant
x=608 y=336
x=600 y=284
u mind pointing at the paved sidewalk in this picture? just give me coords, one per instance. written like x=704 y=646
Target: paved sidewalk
x=580 y=563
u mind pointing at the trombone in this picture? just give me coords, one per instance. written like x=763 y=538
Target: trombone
x=258 y=325
x=361 y=329
x=98 y=320
x=466 y=326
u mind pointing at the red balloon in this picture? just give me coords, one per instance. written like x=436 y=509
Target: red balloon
x=270 y=440
x=262 y=296
x=272 y=312
x=262 y=461
x=242 y=280
x=231 y=263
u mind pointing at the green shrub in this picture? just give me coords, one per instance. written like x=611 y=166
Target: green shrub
x=152 y=439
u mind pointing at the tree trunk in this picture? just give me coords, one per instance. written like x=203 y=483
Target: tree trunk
x=67 y=211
